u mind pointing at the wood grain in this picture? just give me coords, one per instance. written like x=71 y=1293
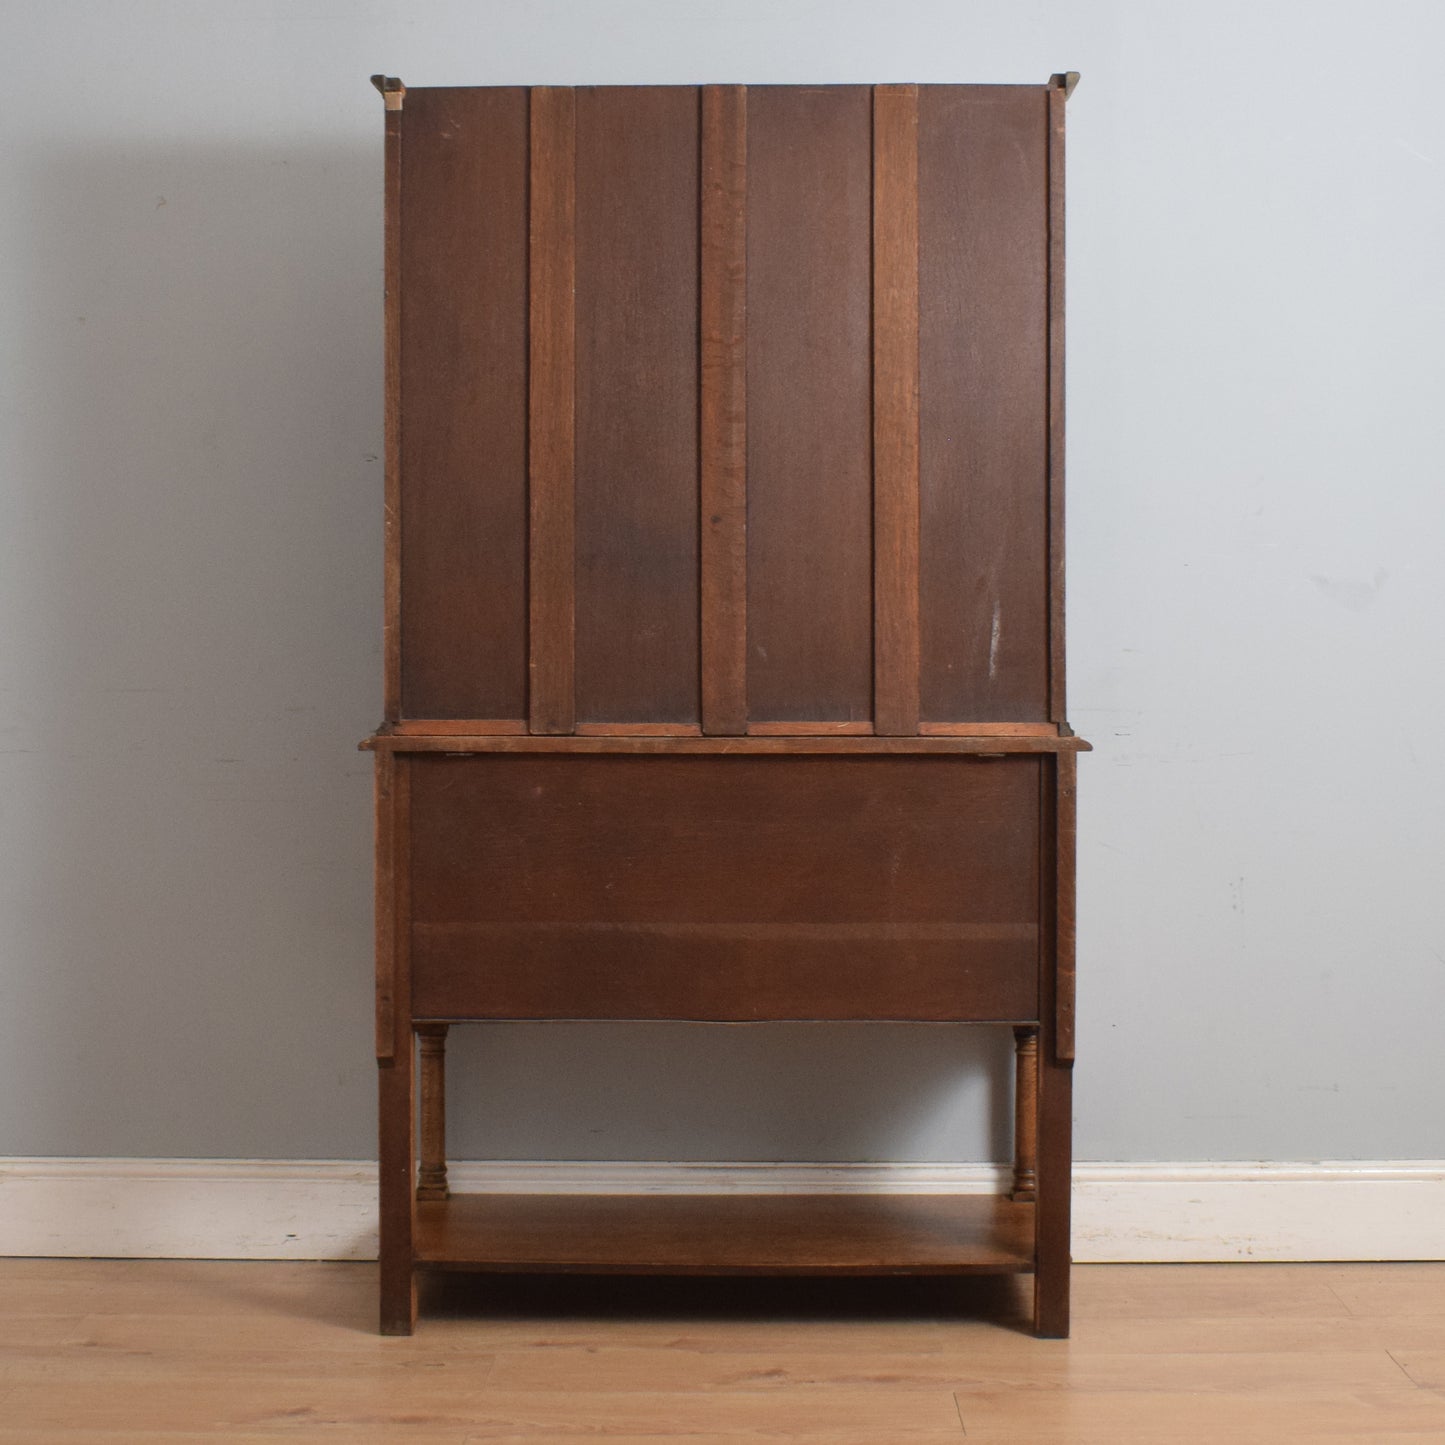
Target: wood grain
x=798 y=1234
x=551 y=458
x=1065 y=927
x=1055 y=1119
x=983 y=353
x=1026 y=1113
x=895 y=409
x=432 y=1174
x=637 y=196
x=780 y=743
x=1058 y=95
x=391 y=533
x=666 y=887
x=484 y=727
x=396 y=1081
x=809 y=378
x=255 y=1353
x=464 y=390
x=722 y=379
x=385 y=922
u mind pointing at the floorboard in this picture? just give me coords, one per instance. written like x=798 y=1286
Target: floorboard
x=174 y=1352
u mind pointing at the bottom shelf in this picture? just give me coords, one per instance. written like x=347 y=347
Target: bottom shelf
x=717 y=1234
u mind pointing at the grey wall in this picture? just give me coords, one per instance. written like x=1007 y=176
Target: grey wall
x=190 y=584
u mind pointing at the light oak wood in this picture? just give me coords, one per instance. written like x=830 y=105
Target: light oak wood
x=193 y=1351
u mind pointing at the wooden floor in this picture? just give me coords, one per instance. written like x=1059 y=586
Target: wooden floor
x=171 y=1352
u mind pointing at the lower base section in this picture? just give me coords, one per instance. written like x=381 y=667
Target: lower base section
x=813 y=1234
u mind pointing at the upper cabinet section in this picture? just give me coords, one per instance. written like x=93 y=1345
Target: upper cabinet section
x=724 y=410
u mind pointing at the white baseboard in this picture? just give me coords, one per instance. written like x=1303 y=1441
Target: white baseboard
x=290 y=1209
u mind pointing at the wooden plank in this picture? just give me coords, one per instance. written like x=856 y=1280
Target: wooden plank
x=1055 y=1088
x=809 y=729
x=723 y=433
x=745 y=973
x=983 y=355
x=672 y=887
x=727 y=1235
x=982 y=729
x=638 y=730
x=809 y=376
x=391 y=534
x=385 y=905
x=464 y=389
x=637 y=542
x=988 y=745
x=486 y=727
x=1067 y=765
x=895 y=409
x=396 y=1081
x=1058 y=94
x=552 y=410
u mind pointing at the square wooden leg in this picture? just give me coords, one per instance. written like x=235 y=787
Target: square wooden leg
x=1052 y=1209
x=397 y=1168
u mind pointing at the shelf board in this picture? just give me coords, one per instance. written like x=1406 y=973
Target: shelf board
x=721 y=1234
x=453 y=740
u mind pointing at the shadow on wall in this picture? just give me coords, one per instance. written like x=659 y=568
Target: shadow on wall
x=194 y=627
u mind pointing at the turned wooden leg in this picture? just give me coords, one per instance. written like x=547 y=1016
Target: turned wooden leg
x=1026 y=1113
x=432 y=1180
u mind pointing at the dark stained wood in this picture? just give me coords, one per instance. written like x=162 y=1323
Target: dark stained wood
x=798 y=1234
x=431 y=1180
x=671 y=887
x=809 y=443
x=983 y=348
x=1058 y=94
x=396 y=1071
x=809 y=729
x=486 y=727
x=983 y=729
x=1051 y=1268
x=638 y=730
x=724 y=609
x=1026 y=1113
x=1066 y=830
x=390 y=1004
x=637 y=402
x=391 y=522
x=1055 y=1085
x=991 y=744
x=463 y=359
x=725 y=974
x=724 y=840
x=723 y=401
x=895 y=409
x=552 y=410
x=396 y=1171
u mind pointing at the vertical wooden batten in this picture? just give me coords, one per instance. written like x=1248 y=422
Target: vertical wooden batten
x=551 y=406
x=895 y=410
x=722 y=382
x=392 y=92
x=1058 y=93
x=396 y=1050
x=1067 y=765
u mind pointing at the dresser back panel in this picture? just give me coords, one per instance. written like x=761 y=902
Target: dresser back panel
x=464 y=339
x=726 y=407
x=724 y=887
